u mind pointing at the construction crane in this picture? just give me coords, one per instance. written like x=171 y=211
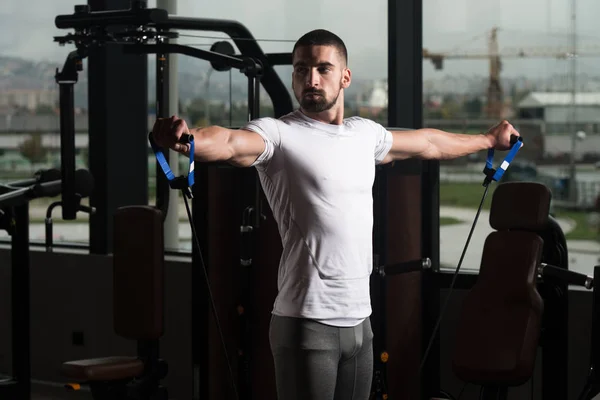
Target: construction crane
x=495 y=97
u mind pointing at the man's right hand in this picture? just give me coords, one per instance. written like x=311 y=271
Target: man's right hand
x=166 y=133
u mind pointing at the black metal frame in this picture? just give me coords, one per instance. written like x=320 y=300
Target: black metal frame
x=559 y=277
x=592 y=384
x=162 y=111
x=118 y=111
x=255 y=65
x=16 y=222
x=378 y=286
x=66 y=80
x=405 y=82
x=14 y=218
x=254 y=70
x=250 y=63
x=86 y=23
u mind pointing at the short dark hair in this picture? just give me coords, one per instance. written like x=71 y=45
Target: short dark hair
x=322 y=37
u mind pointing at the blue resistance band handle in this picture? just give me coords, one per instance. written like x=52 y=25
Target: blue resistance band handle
x=496 y=174
x=181 y=182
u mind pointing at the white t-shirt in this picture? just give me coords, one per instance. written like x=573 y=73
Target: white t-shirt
x=318 y=180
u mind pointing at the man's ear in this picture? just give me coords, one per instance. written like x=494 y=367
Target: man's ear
x=346 y=78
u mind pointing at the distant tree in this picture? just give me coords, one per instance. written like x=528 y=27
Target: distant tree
x=473 y=107
x=85 y=155
x=517 y=95
x=44 y=109
x=33 y=149
x=450 y=108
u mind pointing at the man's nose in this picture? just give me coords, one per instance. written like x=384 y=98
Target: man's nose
x=312 y=79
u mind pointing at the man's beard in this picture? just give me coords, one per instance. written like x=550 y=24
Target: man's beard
x=316 y=104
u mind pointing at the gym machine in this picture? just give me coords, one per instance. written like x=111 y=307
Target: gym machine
x=223 y=60
x=591 y=387
x=503 y=323
x=500 y=328
x=552 y=340
x=14 y=218
x=148 y=31
x=379 y=389
x=72 y=185
x=592 y=383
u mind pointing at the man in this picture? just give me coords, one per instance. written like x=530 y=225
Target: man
x=317 y=171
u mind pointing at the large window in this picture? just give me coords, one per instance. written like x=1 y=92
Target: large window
x=487 y=60
x=29 y=113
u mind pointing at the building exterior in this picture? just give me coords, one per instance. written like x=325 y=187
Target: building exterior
x=29 y=99
x=561 y=113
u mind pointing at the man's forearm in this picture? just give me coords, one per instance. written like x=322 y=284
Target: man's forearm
x=444 y=145
x=435 y=144
x=210 y=144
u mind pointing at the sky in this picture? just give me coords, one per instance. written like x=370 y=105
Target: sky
x=447 y=25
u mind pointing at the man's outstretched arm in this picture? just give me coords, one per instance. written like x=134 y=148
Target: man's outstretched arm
x=214 y=143
x=435 y=144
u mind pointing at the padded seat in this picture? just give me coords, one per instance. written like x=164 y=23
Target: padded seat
x=103 y=369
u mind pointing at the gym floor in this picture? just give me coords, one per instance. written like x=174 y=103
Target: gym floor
x=47 y=392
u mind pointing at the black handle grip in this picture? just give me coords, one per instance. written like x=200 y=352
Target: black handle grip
x=514 y=139
x=404 y=267
x=46 y=189
x=569 y=277
x=246 y=245
x=186 y=138
x=49 y=234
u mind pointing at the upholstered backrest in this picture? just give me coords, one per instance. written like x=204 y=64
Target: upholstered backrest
x=138 y=272
x=500 y=321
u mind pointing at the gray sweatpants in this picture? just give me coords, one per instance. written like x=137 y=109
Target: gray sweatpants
x=314 y=361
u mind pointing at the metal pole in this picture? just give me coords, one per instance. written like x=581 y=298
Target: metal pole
x=172 y=220
x=21 y=304
x=67 y=146
x=573 y=122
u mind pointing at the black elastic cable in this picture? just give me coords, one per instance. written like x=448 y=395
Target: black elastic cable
x=210 y=295
x=446 y=301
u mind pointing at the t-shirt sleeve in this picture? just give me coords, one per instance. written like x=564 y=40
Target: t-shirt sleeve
x=267 y=128
x=383 y=142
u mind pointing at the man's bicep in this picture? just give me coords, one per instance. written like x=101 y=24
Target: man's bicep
x=408 y=144
x=246 y=147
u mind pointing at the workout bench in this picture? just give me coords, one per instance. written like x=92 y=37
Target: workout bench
x=138 y=276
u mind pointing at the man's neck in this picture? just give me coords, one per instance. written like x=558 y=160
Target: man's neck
x=334 y=116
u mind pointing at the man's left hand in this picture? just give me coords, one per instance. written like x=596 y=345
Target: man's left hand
x=500 y=135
